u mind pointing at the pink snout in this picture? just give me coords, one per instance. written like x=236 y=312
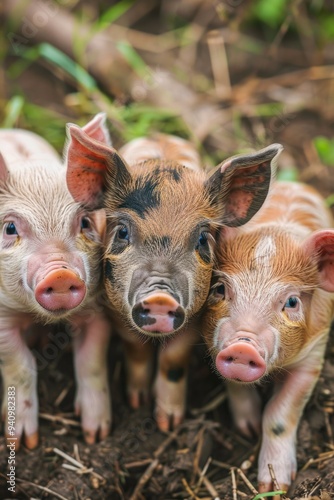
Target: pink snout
x=241 y=362
x=61 y=289
x=158 y=313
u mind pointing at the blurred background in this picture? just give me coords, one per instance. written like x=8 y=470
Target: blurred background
x=231 y=75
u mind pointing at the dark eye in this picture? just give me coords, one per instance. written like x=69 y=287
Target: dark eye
x=220 y=290
x=123 y=233
x=203 y=239
x=291 y=303
x=85 y=223
x=11 y=229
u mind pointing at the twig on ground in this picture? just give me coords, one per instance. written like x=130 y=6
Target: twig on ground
x=59 y=419
x=212 y=405
x=234 y=484
x=43 y=488
x=273 y=477
x=150 y=469
x=189 y=490
x=79 y=468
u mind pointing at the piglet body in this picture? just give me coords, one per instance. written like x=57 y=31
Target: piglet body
x=163 y=210
x=49 y=257
x=269 y=313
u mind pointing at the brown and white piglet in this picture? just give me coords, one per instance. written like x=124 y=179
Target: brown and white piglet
x=268 y=318
x=162 y=213
x=50 y=256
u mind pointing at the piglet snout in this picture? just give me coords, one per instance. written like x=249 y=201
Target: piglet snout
x=158 y=313
x=241 y=362
x=60 y=289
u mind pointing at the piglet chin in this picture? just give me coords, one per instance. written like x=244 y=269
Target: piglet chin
x=241 y=362
x=60 y=290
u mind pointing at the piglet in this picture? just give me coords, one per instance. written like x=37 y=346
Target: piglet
x=269 y=315
x=163 y=211
x=50 y=255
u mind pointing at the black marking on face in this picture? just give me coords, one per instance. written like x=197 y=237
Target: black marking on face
x=109 y=271
x=176 y=174
x=175 y=374
x=141 y=317
x=143 y=198
x=278 y=429
x=158 y=242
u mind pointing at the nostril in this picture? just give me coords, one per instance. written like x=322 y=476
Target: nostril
x=230 y=359
x=73 y=288
x=253 y=364
x=171 y=314
x=49 y=290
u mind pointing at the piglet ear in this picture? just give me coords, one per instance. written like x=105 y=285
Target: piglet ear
x=4 y=173
x=92 y=168
x=97 y=129
x=320 y=245
x=240 y=184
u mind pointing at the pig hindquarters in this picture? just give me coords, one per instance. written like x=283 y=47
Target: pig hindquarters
x=162 y=214
x=50 y=270
x=269 y=314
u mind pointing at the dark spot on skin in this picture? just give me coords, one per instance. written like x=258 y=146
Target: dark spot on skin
x=176 y=174
x=278 y=429
x=175 y=374
x=179 y=318
x=141 y=317
x=109 y=271
x=158 y=241
x=142 y=198
x=27 y=403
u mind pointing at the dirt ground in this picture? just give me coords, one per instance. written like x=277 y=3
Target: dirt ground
x=202 y=458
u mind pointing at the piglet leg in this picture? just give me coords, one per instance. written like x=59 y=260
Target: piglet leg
x=93 y=403
x=20 y=402
x=139 y=367
x=281 y=418
x=171 y=382
x=245 y=406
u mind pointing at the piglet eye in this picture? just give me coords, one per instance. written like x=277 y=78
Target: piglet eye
x=123 y=233
x=10 y=229
x=219 y=291
x=203 y=239
x=85 y=223
x=291 y=303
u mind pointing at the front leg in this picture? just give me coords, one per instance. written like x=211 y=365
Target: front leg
x=90 y=341
x=139 y=366
x=171 y=381
x=245 y=405
x=20 y=399
x=281 y=418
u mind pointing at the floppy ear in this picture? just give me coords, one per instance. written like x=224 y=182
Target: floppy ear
x=92 y=167
x=320 y=245
x=4 y=173
x=97 y=129
x=240 y=184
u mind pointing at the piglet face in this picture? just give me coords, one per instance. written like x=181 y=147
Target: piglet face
x=258 y=315
x=159 y=258
x=50 y=245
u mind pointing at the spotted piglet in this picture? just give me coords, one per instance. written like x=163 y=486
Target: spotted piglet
x=269 y=315
x=50 y=254
x=162 y=211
